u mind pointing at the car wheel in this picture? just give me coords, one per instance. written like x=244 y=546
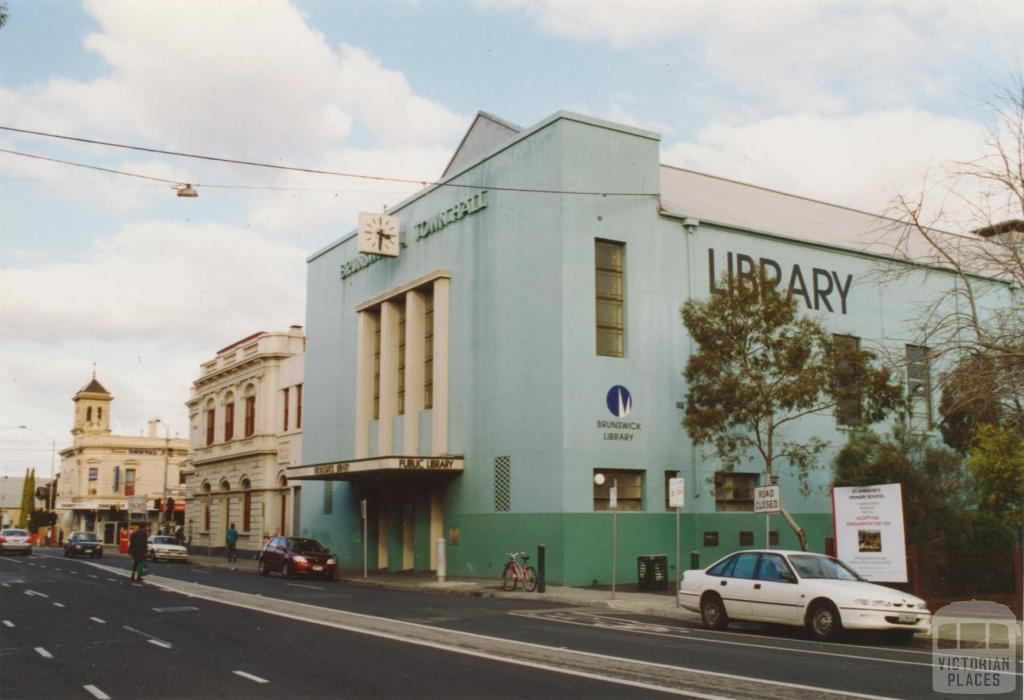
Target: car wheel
x=263 y=568
x=712 y=613
x=824 y=622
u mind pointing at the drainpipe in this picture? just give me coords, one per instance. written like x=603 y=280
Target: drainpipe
x=690 y=225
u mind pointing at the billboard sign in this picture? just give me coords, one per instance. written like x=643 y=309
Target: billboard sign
x=767 y=499
x=868 y=522
x=675 y=493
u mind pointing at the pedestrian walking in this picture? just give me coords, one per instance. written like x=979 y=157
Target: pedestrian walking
x=179 y=535
x=232 y=540
x=138 y=544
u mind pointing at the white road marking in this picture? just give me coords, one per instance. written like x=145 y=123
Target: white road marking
x=43 y=653
x=92 y=575
x=302 y=585
x=705 y=640
x=157 y=642
x=31 y=592
x=60 y=605
x=200 y=571
x=8 y=623
x=96 y=619
x=112 y=580
x=7 y=585
x=96 y=692
x=251 y=677
x=149 y=638
x=180 y=608
x=530 y=664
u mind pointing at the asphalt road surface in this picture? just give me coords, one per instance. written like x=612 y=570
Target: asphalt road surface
x=80 y=628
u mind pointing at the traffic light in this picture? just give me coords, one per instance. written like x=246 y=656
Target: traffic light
x=170 y=505
x=156 y=503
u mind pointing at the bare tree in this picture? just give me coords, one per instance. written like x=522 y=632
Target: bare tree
x=971 y=222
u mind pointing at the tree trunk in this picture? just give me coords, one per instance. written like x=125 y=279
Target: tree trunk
x=800 y=534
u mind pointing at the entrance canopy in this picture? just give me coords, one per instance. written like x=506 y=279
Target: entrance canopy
x=377 y=466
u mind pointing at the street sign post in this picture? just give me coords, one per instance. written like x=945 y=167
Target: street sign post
x=676 y=496
x=767 y=500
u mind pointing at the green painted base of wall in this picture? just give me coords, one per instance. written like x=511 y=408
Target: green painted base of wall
x=579 y=545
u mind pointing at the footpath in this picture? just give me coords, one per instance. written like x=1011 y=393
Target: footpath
x=626 y=597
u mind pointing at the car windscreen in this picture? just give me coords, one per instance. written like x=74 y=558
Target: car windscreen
x=86 y=537
x=14 y=533
x=164 y=540
x=300 y=544
x=812 y=566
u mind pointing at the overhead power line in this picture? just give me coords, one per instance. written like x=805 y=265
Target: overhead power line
x=316 y=171
x=91 y=167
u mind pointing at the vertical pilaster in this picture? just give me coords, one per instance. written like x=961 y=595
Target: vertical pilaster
x=442 y=315
x=366 y=330
x=388 y=375
x=415 y=309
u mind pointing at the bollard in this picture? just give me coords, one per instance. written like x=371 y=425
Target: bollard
x=540 y=568
x=695 y=560
x=442 y=563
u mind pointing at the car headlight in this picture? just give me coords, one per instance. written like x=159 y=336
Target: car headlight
x=872 y=603
x=299 y=559
x=330 y=561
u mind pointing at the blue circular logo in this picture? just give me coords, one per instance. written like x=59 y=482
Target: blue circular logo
x=619 y=401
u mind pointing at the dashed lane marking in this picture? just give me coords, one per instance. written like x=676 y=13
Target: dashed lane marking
x=96 y=619
x=43 y=653
x=149 y=638
x=157 y=642
x=112 y=580
x=180 y=608
x=302 y=585
x=96 y=692
x=255 y=679
x=8 y=623
x=92 y=575
x=29 y=591
x=60 y=605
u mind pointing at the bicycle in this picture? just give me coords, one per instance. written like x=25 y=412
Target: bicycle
x=516 y=570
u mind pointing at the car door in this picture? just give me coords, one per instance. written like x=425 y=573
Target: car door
x=774 y=593
x=735 y=588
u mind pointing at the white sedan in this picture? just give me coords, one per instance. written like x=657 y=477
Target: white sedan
x=815 y=591
x=165 y=547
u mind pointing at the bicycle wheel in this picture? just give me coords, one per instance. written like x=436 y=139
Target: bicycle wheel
x=530 y=580
x=508 y=579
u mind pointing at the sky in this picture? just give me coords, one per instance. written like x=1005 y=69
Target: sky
x=848 y=102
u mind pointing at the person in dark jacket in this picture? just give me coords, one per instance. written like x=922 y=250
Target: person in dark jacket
x=138 y=544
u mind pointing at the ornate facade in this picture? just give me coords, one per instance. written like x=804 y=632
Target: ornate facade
x=245 y=429
x=108 y=480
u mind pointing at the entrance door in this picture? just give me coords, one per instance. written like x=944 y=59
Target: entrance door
x=108 y=532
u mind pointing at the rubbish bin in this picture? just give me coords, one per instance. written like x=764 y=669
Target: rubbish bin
x=652 y=572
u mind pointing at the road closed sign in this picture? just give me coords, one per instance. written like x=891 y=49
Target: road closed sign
x=767 y=499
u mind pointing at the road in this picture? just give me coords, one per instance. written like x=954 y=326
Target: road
x=80 y=628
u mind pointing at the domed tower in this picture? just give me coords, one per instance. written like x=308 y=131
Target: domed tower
x=92 y=409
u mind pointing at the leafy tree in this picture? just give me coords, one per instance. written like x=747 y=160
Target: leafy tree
x=3 y=13
x=981 y=390
x=759 y=367
x=996 y=465
x=28 y=488
x=932 y=476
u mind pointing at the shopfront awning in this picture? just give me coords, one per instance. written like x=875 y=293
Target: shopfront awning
x=378 y=466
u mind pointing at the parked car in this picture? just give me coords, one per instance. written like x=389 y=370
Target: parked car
x=83 y=543
x=815 y=591
x=166 y=547
x=15 y=541
x=296 y=556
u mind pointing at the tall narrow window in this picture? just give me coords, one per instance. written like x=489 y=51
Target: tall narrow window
x=250 y=415
x=328 y=497
x=88 y=413
x=210 y=418
x=229 y=421
x=206 y=516
x=298 y=407
x=919 y=387
x=609 y=285
x=428 y=348
x=246 y=506
x=376 y=370
x=129 y=482
x=285 y=393
x=99 y=414
x=401 y=359
x=848 y=388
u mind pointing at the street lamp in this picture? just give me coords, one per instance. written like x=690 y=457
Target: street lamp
x=613 y=503
x=167 y=449
x=51 y=500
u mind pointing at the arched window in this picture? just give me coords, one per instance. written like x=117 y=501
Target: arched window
x=250 y=410
x=246 y=505
x=211 y=416
x=229 y=417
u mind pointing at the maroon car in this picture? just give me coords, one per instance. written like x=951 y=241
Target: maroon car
x=297 y=556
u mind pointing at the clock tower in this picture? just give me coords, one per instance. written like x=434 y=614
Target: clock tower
x=92 y=409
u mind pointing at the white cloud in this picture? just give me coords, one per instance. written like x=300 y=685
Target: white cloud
x=858 y=161
x=195 y=283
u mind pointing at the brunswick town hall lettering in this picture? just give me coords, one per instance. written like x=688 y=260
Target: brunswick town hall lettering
x=820 y=289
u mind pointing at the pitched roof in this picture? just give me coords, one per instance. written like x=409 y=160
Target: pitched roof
x=93 y=387
x=486 y=133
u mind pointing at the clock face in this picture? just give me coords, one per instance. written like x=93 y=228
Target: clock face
x=378 y=234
